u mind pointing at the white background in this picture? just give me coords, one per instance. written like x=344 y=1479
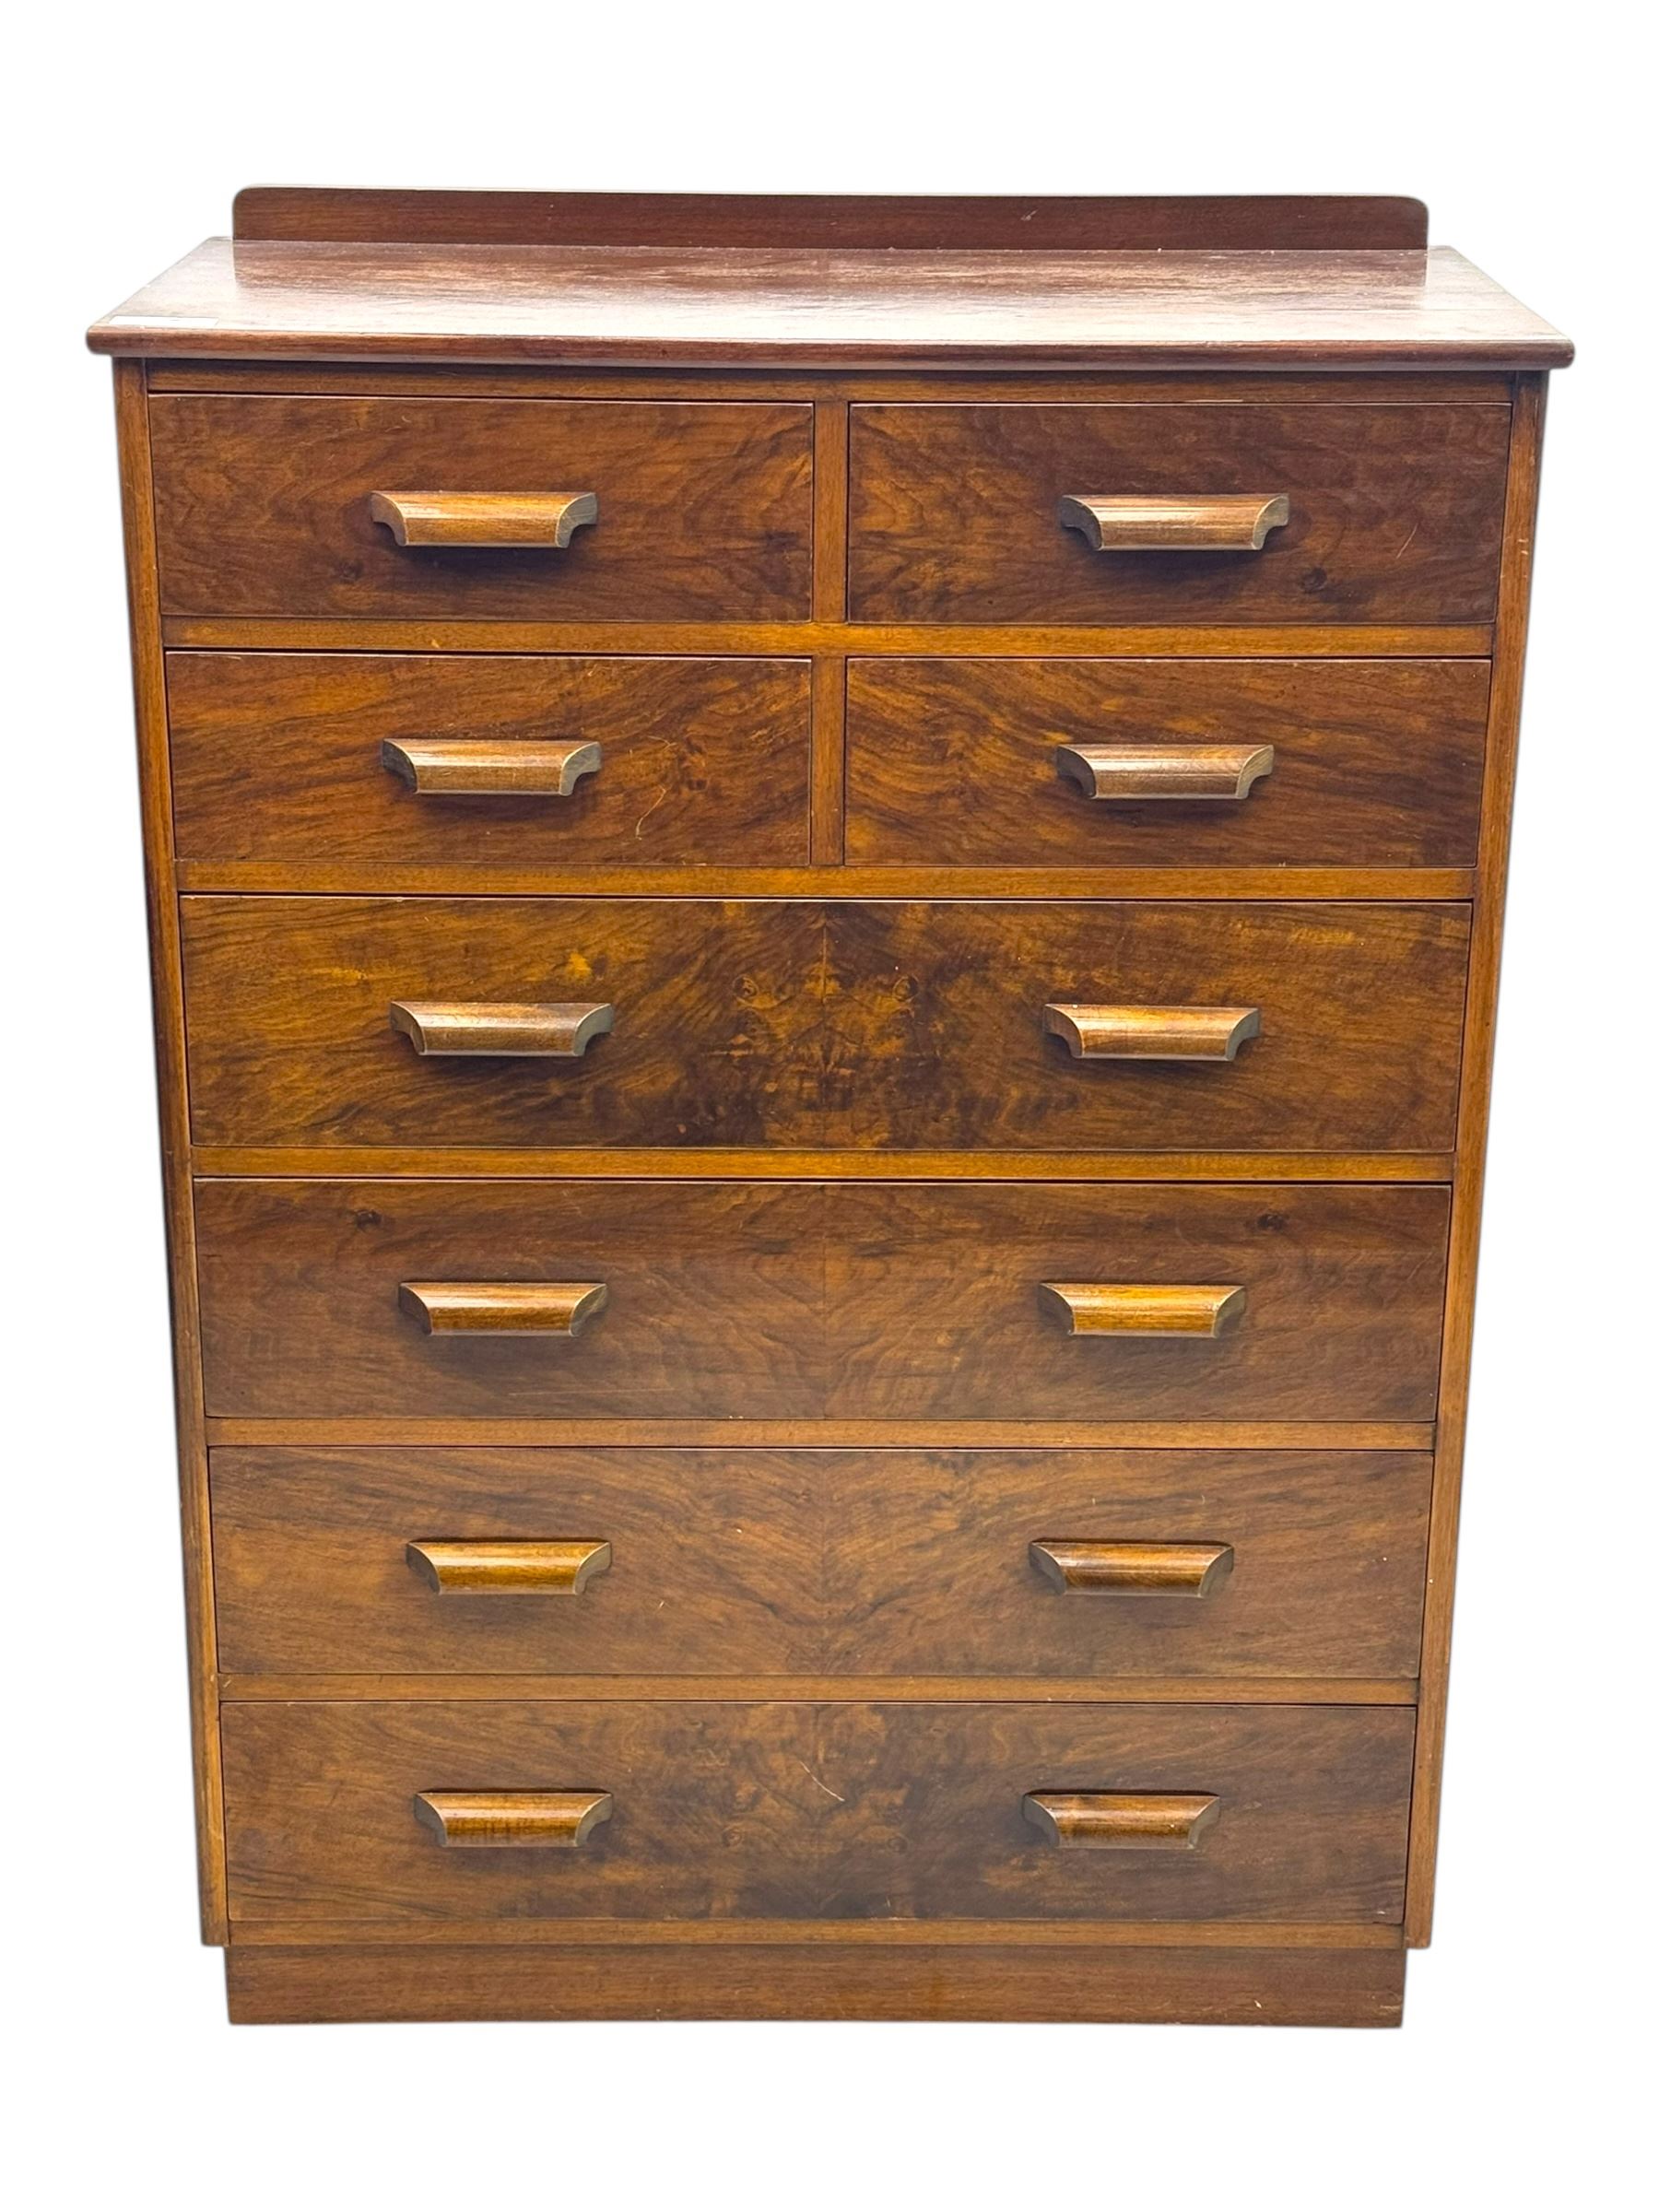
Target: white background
x=1515 y=2071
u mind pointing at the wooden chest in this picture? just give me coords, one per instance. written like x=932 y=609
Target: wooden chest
x=825 y=886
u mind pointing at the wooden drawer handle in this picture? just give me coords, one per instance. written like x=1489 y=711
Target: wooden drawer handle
x=1079 y=1565
x=1153 y=1032
x=503 y=1308
x=1163 y=771
x=466 y=767
x=483 y=518
x=1145 y=1309
x=512 y=1819
x=1222 y=522
x=1096 y=1820
x=509 y=1569
x=500 y=1032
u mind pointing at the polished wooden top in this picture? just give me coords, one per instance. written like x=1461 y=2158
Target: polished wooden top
x=648 y=279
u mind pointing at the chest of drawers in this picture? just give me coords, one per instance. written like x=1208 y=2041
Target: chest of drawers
x=825 y=890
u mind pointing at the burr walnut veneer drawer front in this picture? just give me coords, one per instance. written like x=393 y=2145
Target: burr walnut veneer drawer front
x=506 y=760
x=798 y=1811
x=1384 y=514
x=868 y=1025
x=668 y=509
x=1165 y=763
x=912 y=1302
x=355 y=1560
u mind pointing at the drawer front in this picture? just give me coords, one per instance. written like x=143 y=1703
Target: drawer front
x=291 y=1042
x=795 y=1811
x=798 y=1300
x=263 y=507
x=1396 y=513
x=1373 y=763
x=884 y=1024
x=754 y=1562
x=291 y=757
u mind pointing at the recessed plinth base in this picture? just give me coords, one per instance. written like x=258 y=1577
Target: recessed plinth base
x=1288 y=1988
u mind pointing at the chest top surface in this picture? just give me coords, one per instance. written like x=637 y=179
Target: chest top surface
x=638 y=279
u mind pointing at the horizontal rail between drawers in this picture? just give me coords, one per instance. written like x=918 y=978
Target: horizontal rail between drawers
x=733 y=1435
x=220 y=1162
x=821 y=1689
x=1168 y=1934
x=274 y=633
x=832 y=879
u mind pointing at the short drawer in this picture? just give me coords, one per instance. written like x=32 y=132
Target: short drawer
x=1395 y=513
x=952 y=1025
x=697 y=1810
x=353 y=1559
x=1165 y=763
x=700 y=512
x=429 y=759
x=880 y=1301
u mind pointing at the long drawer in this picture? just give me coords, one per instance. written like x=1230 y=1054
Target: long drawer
x=1390 y=515
x=353 y=1559
x=265 y=506
x=1082 y=763
x=795 y=1811
x=802 y=1300
x=864 y=1025
x=526 y=760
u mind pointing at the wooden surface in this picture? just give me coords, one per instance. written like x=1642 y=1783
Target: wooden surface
x=847 y=1811
x=838 y=1302
x=855 y=1025
x=894 y=1557
x=1308 y=1988
x=1246 y=223
x=1376 y=764
x=276 y=758
x=808 y=1562
x=263 y=507
x=1396 y=513
x=792 y=306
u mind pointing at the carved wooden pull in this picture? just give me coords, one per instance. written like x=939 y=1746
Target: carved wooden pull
x=509 y=1569
x=1144 y=1308
x=483 y=518
x=501 y=1032
x=1153 y=1032
x=463 y=768
x=512 y=1819
x=1163 y=771
x=503 y=1308
x=1097 y=1820
x=1082 y=1566
x=1222 y=522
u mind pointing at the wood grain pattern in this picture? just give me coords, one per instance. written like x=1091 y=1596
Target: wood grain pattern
x=854 y=1812
x=509 y=1569
x=1119 y=1820
x=263 y=507
x=162 y=906
x=1225 y=521
x=1210 y=1985
x=1376 y=764
x=277 y=756
x=894 y=1024
x=1480 y=1036
x=512 y=1819
x=856 y=1301
x=790 y=307
x=475 y=520
x=1395 y=514
x=745 y=1561
x=1254 y=222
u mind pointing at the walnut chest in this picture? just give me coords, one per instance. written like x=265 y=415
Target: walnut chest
x=825 y=888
